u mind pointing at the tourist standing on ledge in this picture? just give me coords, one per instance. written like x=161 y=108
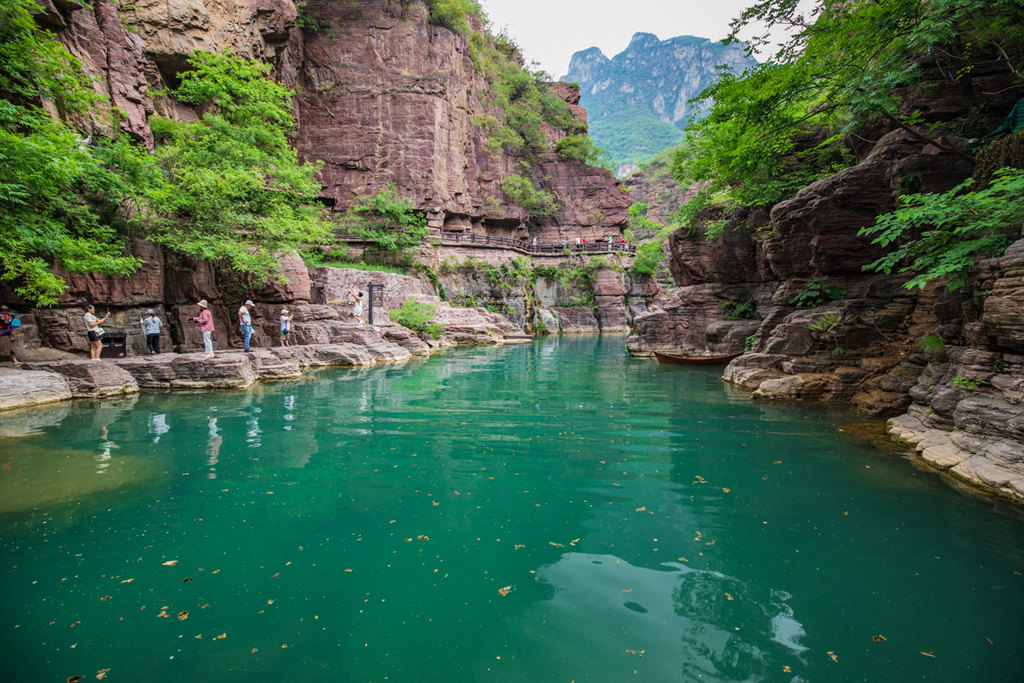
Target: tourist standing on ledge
x=151 y=325
x=286 y=326
x=7 y=336
x=205 y=320
x=94 y=331
x=357 y=304
x=245 y=324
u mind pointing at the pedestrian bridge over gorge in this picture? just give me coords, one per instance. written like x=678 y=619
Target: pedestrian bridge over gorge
x=538 y=248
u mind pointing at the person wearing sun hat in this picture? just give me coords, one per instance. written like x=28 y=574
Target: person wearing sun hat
x=205 y=320
x=286 y=326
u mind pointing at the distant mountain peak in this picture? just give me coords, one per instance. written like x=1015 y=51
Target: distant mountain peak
x=639 y=101
x=641 y=39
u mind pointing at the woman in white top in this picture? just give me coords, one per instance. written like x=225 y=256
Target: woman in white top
x=94 y=331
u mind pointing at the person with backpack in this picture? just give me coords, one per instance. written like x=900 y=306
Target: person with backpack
x=7 y=324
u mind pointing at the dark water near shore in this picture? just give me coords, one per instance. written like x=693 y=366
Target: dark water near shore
x=551 y=512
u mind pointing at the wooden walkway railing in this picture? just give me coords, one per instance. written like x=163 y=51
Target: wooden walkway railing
x=549 y=249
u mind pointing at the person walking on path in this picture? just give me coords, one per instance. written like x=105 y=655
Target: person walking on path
x=245 y=324
x=94 y=331
x=151 y=325
x=7 y=336
x=205 y=320
x=286 y=326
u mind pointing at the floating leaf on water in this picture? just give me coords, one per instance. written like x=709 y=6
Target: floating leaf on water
x=574 y=541
x=182 y=616
x=557 y=545
x=204 y=606
x=127 y=580
x=726 y=490
x=505 y=590
x=163 y=614
x=786 y=669
x=187 y=579
x=638 y=653
x=928 y=654
x=641 y=509
x=832 y=656
x=517 y=546
x=879 y=639
x=101 y=674
x=221 y=636
x=728 y=596
x=270 y=602
x=198 y=636
x=215 y=571
x=284 y=646
x=253 y=651
x=75 y=624
x=170 y=563
x=421 y=537
x=105 y=598
x=408 y=540
x=683 y=559
x=73 y=679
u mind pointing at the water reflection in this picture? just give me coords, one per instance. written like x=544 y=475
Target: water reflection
x=106 y=446
x=213 y=442
x=158 y=426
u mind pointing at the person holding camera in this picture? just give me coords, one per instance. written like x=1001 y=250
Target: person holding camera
x=94 y=331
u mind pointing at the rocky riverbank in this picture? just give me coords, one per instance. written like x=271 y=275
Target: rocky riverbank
x=49 y=381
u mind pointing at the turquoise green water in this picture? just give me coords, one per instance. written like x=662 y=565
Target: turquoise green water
x=551 y=512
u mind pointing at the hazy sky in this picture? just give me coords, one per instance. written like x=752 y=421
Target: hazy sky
x=550 y=31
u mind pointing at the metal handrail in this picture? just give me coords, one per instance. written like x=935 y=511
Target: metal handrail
x=551 y=249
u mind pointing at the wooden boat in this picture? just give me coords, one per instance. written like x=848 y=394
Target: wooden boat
x=676 y=359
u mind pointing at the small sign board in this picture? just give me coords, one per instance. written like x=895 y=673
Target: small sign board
x=376 y=299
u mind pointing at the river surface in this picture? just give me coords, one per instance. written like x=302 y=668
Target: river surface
x=550 y=512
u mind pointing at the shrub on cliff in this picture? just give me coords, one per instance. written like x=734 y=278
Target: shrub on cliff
x=418 y=317
x=386 y=219
x=940 y=236
x=521 y=192
x=581 y=149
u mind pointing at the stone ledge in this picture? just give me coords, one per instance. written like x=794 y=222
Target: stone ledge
x=61 y=380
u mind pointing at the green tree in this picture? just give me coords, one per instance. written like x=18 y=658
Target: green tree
x=773 y=129
x=235 y=191
x=386 y=219
x=64 y=198
x=940 y=236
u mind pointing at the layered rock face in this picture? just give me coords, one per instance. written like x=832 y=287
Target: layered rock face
x=386 y=97
x=967 y=414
